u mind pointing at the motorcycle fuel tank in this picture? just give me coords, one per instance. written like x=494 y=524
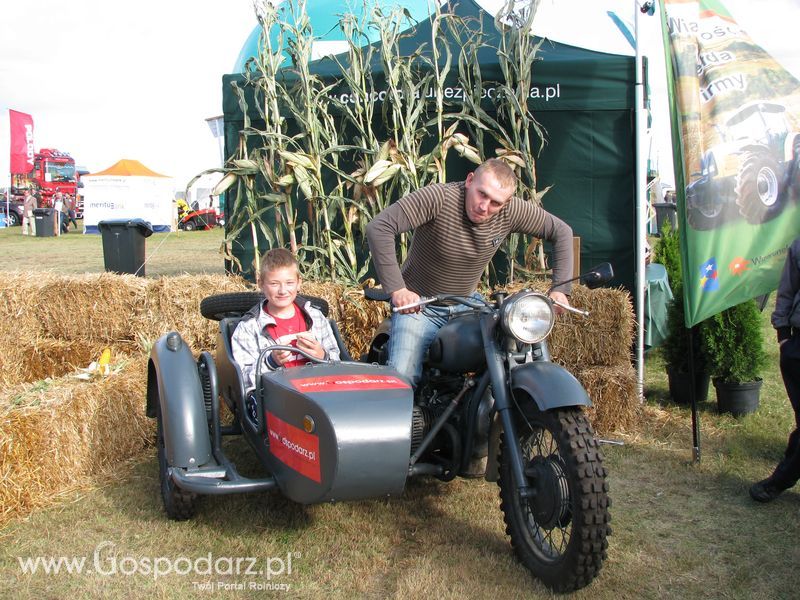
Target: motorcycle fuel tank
x=458 y=346
x=338 y=431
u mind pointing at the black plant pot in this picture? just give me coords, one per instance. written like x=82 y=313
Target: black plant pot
x=737 y=399
x=680 y=386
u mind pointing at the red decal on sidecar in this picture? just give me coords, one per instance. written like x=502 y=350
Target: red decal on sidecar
x=349 y=383
x=294 y=447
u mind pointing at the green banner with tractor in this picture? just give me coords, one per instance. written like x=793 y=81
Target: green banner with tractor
x=736 y=131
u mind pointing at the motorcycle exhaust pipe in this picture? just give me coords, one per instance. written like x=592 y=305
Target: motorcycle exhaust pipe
x=425 y=469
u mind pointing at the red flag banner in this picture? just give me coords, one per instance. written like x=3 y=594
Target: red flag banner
x=21 y=128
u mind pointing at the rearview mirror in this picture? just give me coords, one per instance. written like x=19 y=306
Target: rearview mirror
x=598 y=275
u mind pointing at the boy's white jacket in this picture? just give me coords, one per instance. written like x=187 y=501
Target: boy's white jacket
x=250 y=337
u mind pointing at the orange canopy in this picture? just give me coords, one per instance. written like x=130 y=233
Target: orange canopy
x=129 y=167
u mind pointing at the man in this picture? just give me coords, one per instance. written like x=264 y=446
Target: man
x=786 y=321
x=458 y=227
x=28 y=205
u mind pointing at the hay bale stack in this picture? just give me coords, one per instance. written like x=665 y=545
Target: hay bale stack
x=59 y=434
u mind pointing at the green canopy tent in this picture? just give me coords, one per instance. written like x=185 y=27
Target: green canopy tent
x=584 y=100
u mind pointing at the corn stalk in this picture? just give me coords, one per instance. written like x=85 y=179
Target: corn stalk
x=339 y=151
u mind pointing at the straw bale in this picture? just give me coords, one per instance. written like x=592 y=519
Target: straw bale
x=602 y=339
x=21 y=294
x=92 y=307
x=360 y=319
x=332 y=293
x=173 y=303
x=66 y=433
x=614 y=393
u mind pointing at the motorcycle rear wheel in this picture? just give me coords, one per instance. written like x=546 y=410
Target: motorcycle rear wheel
x=560 y=533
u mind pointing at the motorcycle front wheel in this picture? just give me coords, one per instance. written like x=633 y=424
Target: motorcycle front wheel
x=560 y=532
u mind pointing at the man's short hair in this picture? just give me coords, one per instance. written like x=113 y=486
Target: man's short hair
x=277 y=258
x=501 y=170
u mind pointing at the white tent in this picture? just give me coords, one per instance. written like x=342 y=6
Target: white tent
x=127 y=190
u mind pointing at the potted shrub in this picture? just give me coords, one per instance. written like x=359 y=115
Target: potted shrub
x=675 y=349
x=733 y=343
x=675 y=352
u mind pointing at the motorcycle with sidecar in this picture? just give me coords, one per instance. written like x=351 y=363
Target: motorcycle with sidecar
x=334 y=431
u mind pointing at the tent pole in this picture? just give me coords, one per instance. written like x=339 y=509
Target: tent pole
x=641 y=203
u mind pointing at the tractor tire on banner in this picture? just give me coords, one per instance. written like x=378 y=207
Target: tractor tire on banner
x=758 y=192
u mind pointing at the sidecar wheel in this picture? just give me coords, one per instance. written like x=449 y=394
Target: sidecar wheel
x=178 y=504
x=560 y=533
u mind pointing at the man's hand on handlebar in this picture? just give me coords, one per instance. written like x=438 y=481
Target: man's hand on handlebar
x=404 y=296
x=561 y=298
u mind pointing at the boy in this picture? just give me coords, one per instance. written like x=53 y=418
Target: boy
x=282 y=318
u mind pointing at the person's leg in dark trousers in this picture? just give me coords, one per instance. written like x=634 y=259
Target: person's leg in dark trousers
x=787 y=473
x=788 y=470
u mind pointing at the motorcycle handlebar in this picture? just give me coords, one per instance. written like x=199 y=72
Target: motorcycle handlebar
x=380 y=296
x=572 y=309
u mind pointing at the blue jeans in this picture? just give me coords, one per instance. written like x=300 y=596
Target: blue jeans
x=413 y=333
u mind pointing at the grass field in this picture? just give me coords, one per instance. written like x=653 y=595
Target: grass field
x=680 y=529
x=165 y=253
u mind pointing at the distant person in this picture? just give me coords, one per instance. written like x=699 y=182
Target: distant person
x=58 y=205
x=28 y=222
x=65 y=214
x=71 y=204
x=786 y=321
x=282 y=318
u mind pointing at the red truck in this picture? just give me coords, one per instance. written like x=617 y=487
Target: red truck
x=53 y=171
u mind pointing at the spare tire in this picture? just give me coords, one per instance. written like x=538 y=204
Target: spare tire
x=232 y=304
x=235 y=304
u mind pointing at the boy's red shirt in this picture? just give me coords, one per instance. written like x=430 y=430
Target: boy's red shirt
x=285 y=333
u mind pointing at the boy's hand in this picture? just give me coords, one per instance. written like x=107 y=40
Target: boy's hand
x=281 y=356
x=306 y=341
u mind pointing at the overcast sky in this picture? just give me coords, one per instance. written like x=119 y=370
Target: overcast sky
x=106 y=80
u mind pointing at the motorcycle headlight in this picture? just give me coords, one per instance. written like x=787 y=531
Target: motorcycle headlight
x=528 y=316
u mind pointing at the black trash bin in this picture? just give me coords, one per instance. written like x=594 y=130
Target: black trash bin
x=44 y=218
x=666 y=212
x=123 y=244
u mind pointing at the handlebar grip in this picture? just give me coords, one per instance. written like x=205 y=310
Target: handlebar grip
x=421 y=302
x=577 y=311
